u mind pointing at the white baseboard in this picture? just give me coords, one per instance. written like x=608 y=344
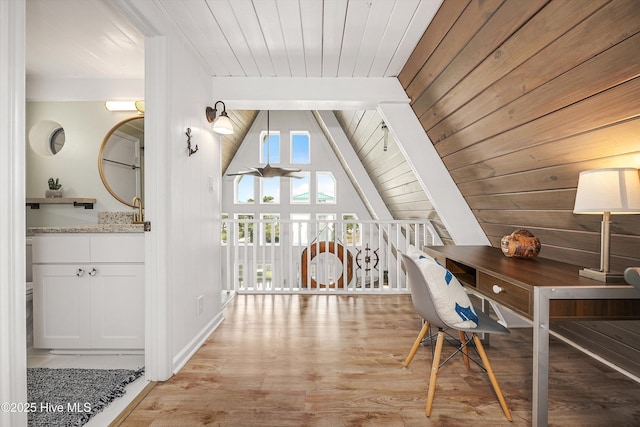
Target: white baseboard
x=189 y=350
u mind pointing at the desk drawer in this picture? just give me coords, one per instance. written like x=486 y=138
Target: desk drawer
x=508 y=294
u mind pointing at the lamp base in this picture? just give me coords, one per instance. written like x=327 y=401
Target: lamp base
x=602 y=276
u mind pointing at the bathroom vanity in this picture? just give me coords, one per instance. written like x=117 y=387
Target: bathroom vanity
x=88 y=287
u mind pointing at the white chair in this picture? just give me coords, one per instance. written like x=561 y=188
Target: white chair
x=423 y=303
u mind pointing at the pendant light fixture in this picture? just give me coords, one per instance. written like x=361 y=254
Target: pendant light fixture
x=269 y=171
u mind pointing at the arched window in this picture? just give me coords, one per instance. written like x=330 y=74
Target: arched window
x=243 y=190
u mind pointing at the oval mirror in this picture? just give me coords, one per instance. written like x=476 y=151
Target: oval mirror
x=121 y=160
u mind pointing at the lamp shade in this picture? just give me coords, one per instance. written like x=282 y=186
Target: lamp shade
x=222 y=124
x=615 y=190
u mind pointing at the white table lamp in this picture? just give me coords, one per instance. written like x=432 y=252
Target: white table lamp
x=606 y=192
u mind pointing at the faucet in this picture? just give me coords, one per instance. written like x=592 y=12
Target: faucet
x=138 y=217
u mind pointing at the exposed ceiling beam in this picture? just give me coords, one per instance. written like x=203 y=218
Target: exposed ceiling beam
x=352 y=165
x=307 y=93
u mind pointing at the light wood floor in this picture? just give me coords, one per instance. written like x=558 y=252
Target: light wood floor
x=282 y=360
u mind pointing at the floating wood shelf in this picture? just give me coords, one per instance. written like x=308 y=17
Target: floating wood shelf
x=34 y=203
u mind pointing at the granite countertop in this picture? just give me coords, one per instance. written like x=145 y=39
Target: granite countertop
x=108 y=222
x=89 y=228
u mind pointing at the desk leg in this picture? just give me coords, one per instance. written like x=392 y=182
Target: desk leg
x=540 y=398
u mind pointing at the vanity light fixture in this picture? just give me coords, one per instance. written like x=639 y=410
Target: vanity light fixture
x=606 y=192
x=221 y=124
x=125 y=106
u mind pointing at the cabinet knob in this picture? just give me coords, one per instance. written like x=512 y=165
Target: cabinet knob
x=497 y=289
x=79 y=272
x=93 y=272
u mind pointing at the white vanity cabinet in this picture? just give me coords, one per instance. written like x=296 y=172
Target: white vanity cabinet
x=88 y=291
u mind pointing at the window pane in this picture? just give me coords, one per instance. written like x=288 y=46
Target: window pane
x=239 y=273
x=245 y=228
x=270 y=190
x=300 y=228
x=264 y=273
x=271 y=229
x=244 y=189
x=300 y=189
x=326 y=230
x=326 y=188
x=272 y=146
x=352 y=229
x=224 y=227
x=300 y=147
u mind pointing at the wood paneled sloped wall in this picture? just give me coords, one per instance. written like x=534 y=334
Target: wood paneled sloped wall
x=389 y=170
x=519 y=97
x=242 y=121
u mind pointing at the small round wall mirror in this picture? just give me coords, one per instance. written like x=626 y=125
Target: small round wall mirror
x=47 y=138
x=121 y=160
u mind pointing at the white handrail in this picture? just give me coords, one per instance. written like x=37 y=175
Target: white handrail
x=343 y=256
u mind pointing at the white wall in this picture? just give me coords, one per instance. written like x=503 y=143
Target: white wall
x=76 y=165
x=183 y=249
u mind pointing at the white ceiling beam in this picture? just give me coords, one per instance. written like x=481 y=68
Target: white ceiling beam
x=42 y=89
x=432 y=174
x=307 y=93
x=353 y=166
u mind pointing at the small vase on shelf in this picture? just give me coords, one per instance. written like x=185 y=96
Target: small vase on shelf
x=50 y=194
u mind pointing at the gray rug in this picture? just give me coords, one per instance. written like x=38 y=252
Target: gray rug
x=70 y=397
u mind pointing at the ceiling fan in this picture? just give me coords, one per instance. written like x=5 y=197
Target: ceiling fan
x=269 y=171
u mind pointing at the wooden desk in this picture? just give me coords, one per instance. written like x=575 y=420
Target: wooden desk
x=538 y=289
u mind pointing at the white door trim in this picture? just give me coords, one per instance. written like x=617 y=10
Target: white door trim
x=13 y=341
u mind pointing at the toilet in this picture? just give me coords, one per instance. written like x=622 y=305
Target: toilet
x=29 y=295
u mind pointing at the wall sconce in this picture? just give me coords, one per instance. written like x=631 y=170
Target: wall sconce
x=606 y=192
x=221 y=124
x=385 y=138
x=125 y=106
x=191 y=151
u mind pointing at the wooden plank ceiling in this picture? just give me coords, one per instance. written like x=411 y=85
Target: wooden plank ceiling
x=518 y=98
x=310 y=38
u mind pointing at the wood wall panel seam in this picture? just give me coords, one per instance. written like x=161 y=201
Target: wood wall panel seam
x=467 y=24
x=611 y=68
x=553 y=20
x=611 y=106
x=567 y=53
x=440 y=25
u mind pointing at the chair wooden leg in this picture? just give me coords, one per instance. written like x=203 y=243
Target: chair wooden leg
x=434 y=372
x=492 y=377
x=416 y=344
x=465 y=350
